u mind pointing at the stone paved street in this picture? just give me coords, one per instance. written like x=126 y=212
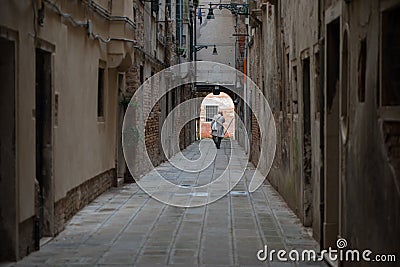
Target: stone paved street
x=126 y=227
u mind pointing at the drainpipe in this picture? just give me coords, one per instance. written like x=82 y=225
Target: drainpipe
x=280 y=51
x=322 y=137
x=190 y=26
x=179 y=26
x=322 y=123
x=245 y=90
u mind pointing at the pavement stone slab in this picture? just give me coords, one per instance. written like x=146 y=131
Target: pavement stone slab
x=126 y=227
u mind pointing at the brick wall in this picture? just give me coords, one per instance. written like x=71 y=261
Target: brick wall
x=132 y=80
x=255 y=141
x=79 y=197
x=26 y=232
x=152 y=136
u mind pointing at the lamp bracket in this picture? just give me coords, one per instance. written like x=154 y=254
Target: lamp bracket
x=235 y=9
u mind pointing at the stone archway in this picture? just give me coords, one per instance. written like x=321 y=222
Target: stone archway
x=210 y=105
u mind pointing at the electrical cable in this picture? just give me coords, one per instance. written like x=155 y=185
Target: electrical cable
x=66 y=15
x=106 y=14
x=103 y=12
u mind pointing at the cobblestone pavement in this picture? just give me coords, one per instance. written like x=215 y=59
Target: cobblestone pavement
x=126 y=227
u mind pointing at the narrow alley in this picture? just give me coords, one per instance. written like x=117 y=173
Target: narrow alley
x=126 y=227
x=200 y=133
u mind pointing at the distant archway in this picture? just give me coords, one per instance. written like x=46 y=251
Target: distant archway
x=210 y=105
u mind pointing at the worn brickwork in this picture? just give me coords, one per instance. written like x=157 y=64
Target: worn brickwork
x=156 y=49
x=79 y=197
x=152 y=136
x=255 y=140
x=132 y=81
x=255 y=59
x=26 y=232
x=137 y=74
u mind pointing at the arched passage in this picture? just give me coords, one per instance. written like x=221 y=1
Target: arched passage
x=210 y=105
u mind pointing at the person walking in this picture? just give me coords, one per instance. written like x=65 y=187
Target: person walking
x=217 y=129
x=200 y=16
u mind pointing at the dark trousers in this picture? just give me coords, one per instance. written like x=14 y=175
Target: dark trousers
x=217 y=141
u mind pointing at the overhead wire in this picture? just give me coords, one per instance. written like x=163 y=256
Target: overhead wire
x=88 y=25
x=66 y=15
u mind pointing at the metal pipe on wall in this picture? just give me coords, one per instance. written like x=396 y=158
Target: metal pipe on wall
x=322 y=124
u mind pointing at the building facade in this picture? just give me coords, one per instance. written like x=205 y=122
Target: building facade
x=162 y=41
x=327 y=69
x=59 y=144
x=69 y=69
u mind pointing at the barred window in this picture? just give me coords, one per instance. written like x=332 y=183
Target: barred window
x=211 y=111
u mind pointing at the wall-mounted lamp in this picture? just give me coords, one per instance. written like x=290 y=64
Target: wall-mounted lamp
x=197 y=48
x=234 y=8
x=210 y=14
x=216 y=90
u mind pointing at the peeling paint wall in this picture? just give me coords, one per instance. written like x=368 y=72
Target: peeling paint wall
x=370 y=179
x=276 y=56
x=344 y=182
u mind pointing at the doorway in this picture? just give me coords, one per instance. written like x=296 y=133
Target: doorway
x=44 y=142
x=8 y=195
x=331 y=173
x=121 y=165
x=307 y=151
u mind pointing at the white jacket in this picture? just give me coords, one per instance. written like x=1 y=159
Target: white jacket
x=217 y=125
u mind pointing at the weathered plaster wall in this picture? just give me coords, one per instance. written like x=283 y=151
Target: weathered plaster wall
x=365 y=205
x=275 y=65
x=371 y=193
